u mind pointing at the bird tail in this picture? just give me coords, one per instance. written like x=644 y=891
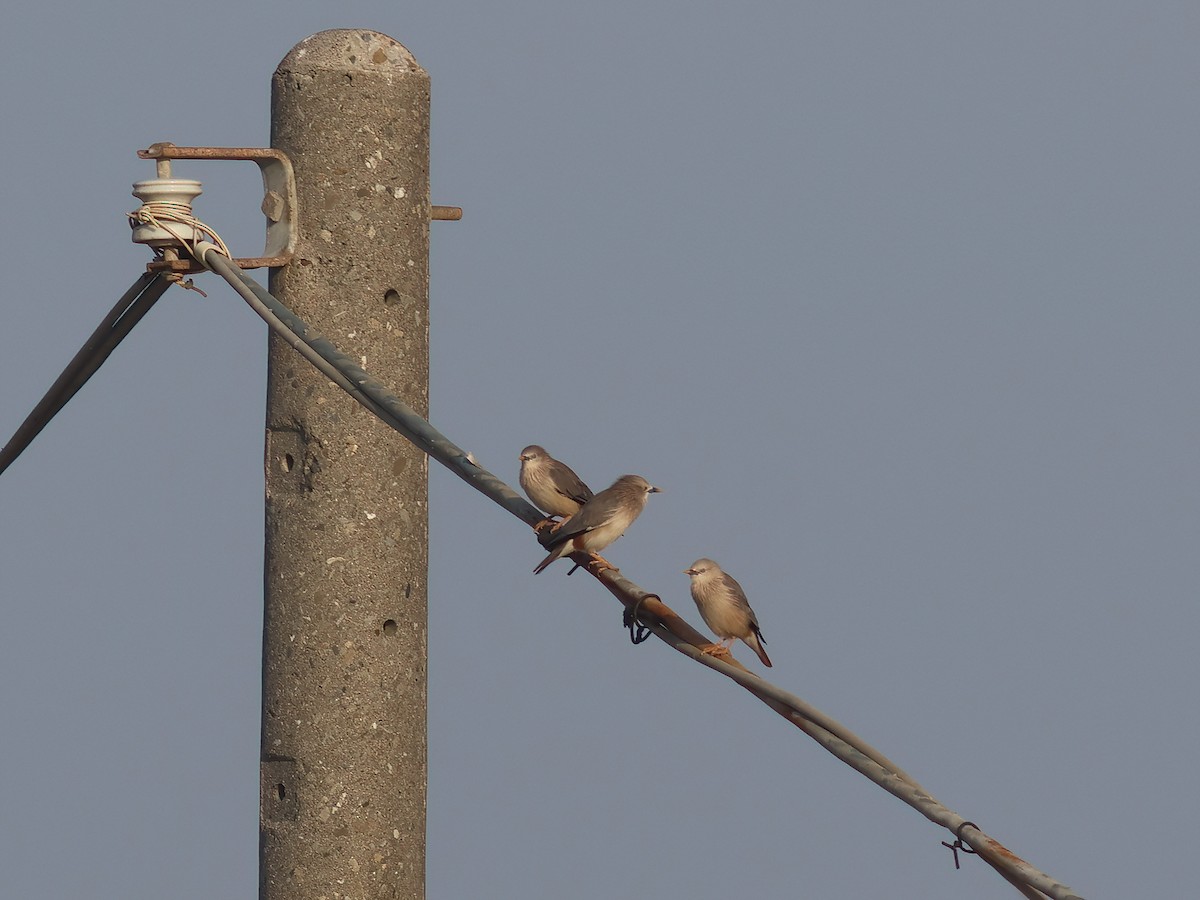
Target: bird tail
x=556 y=553
x=755 y=642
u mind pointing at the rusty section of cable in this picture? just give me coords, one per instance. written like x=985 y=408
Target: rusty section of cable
x=648 y=608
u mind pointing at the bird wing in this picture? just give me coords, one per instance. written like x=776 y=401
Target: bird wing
x=567 y=483
x=591 y=516
x=736 y=594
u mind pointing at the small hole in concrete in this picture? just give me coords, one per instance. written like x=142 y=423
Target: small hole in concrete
x=280 y=792
x=391 y=297
x=389 y=627
x=288 y=462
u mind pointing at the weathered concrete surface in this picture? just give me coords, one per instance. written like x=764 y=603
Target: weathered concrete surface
x=344 y=647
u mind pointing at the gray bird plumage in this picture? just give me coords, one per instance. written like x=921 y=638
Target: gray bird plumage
x=724 y=608
x=601 y=520
x=551 y=485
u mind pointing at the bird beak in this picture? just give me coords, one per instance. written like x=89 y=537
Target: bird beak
x=655 y=490
x=689 y=571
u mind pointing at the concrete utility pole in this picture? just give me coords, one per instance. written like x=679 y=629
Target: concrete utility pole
x=344 y=644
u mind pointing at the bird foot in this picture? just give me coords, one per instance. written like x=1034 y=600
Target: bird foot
x=547 y=523
x=718 y=650
x=600 y=564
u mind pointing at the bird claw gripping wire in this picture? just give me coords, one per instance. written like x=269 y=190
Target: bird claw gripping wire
x=958 y=842
x=637 y=631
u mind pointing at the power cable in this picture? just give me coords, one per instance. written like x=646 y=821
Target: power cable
x=642 y=607
x=129 y=310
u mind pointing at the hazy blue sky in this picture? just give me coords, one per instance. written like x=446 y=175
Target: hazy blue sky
x=896 y=300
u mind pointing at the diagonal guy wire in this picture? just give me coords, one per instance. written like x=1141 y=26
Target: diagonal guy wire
x=663 y=622
x=127 y=312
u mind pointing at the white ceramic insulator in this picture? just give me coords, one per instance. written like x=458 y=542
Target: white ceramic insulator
x=163 y=190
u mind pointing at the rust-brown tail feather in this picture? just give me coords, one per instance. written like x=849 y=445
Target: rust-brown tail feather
x=757 y=647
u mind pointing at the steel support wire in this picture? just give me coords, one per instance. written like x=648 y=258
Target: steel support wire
x=129 y=310
x=661 y=619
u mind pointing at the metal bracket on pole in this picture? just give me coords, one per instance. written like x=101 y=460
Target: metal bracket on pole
x=279 y=201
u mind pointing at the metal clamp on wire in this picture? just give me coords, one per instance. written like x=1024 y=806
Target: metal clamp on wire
x=958 y=842
x=638 y=632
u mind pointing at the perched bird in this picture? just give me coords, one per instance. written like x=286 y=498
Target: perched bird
x=551 y=485
x=601 y=521
x=725 y=609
